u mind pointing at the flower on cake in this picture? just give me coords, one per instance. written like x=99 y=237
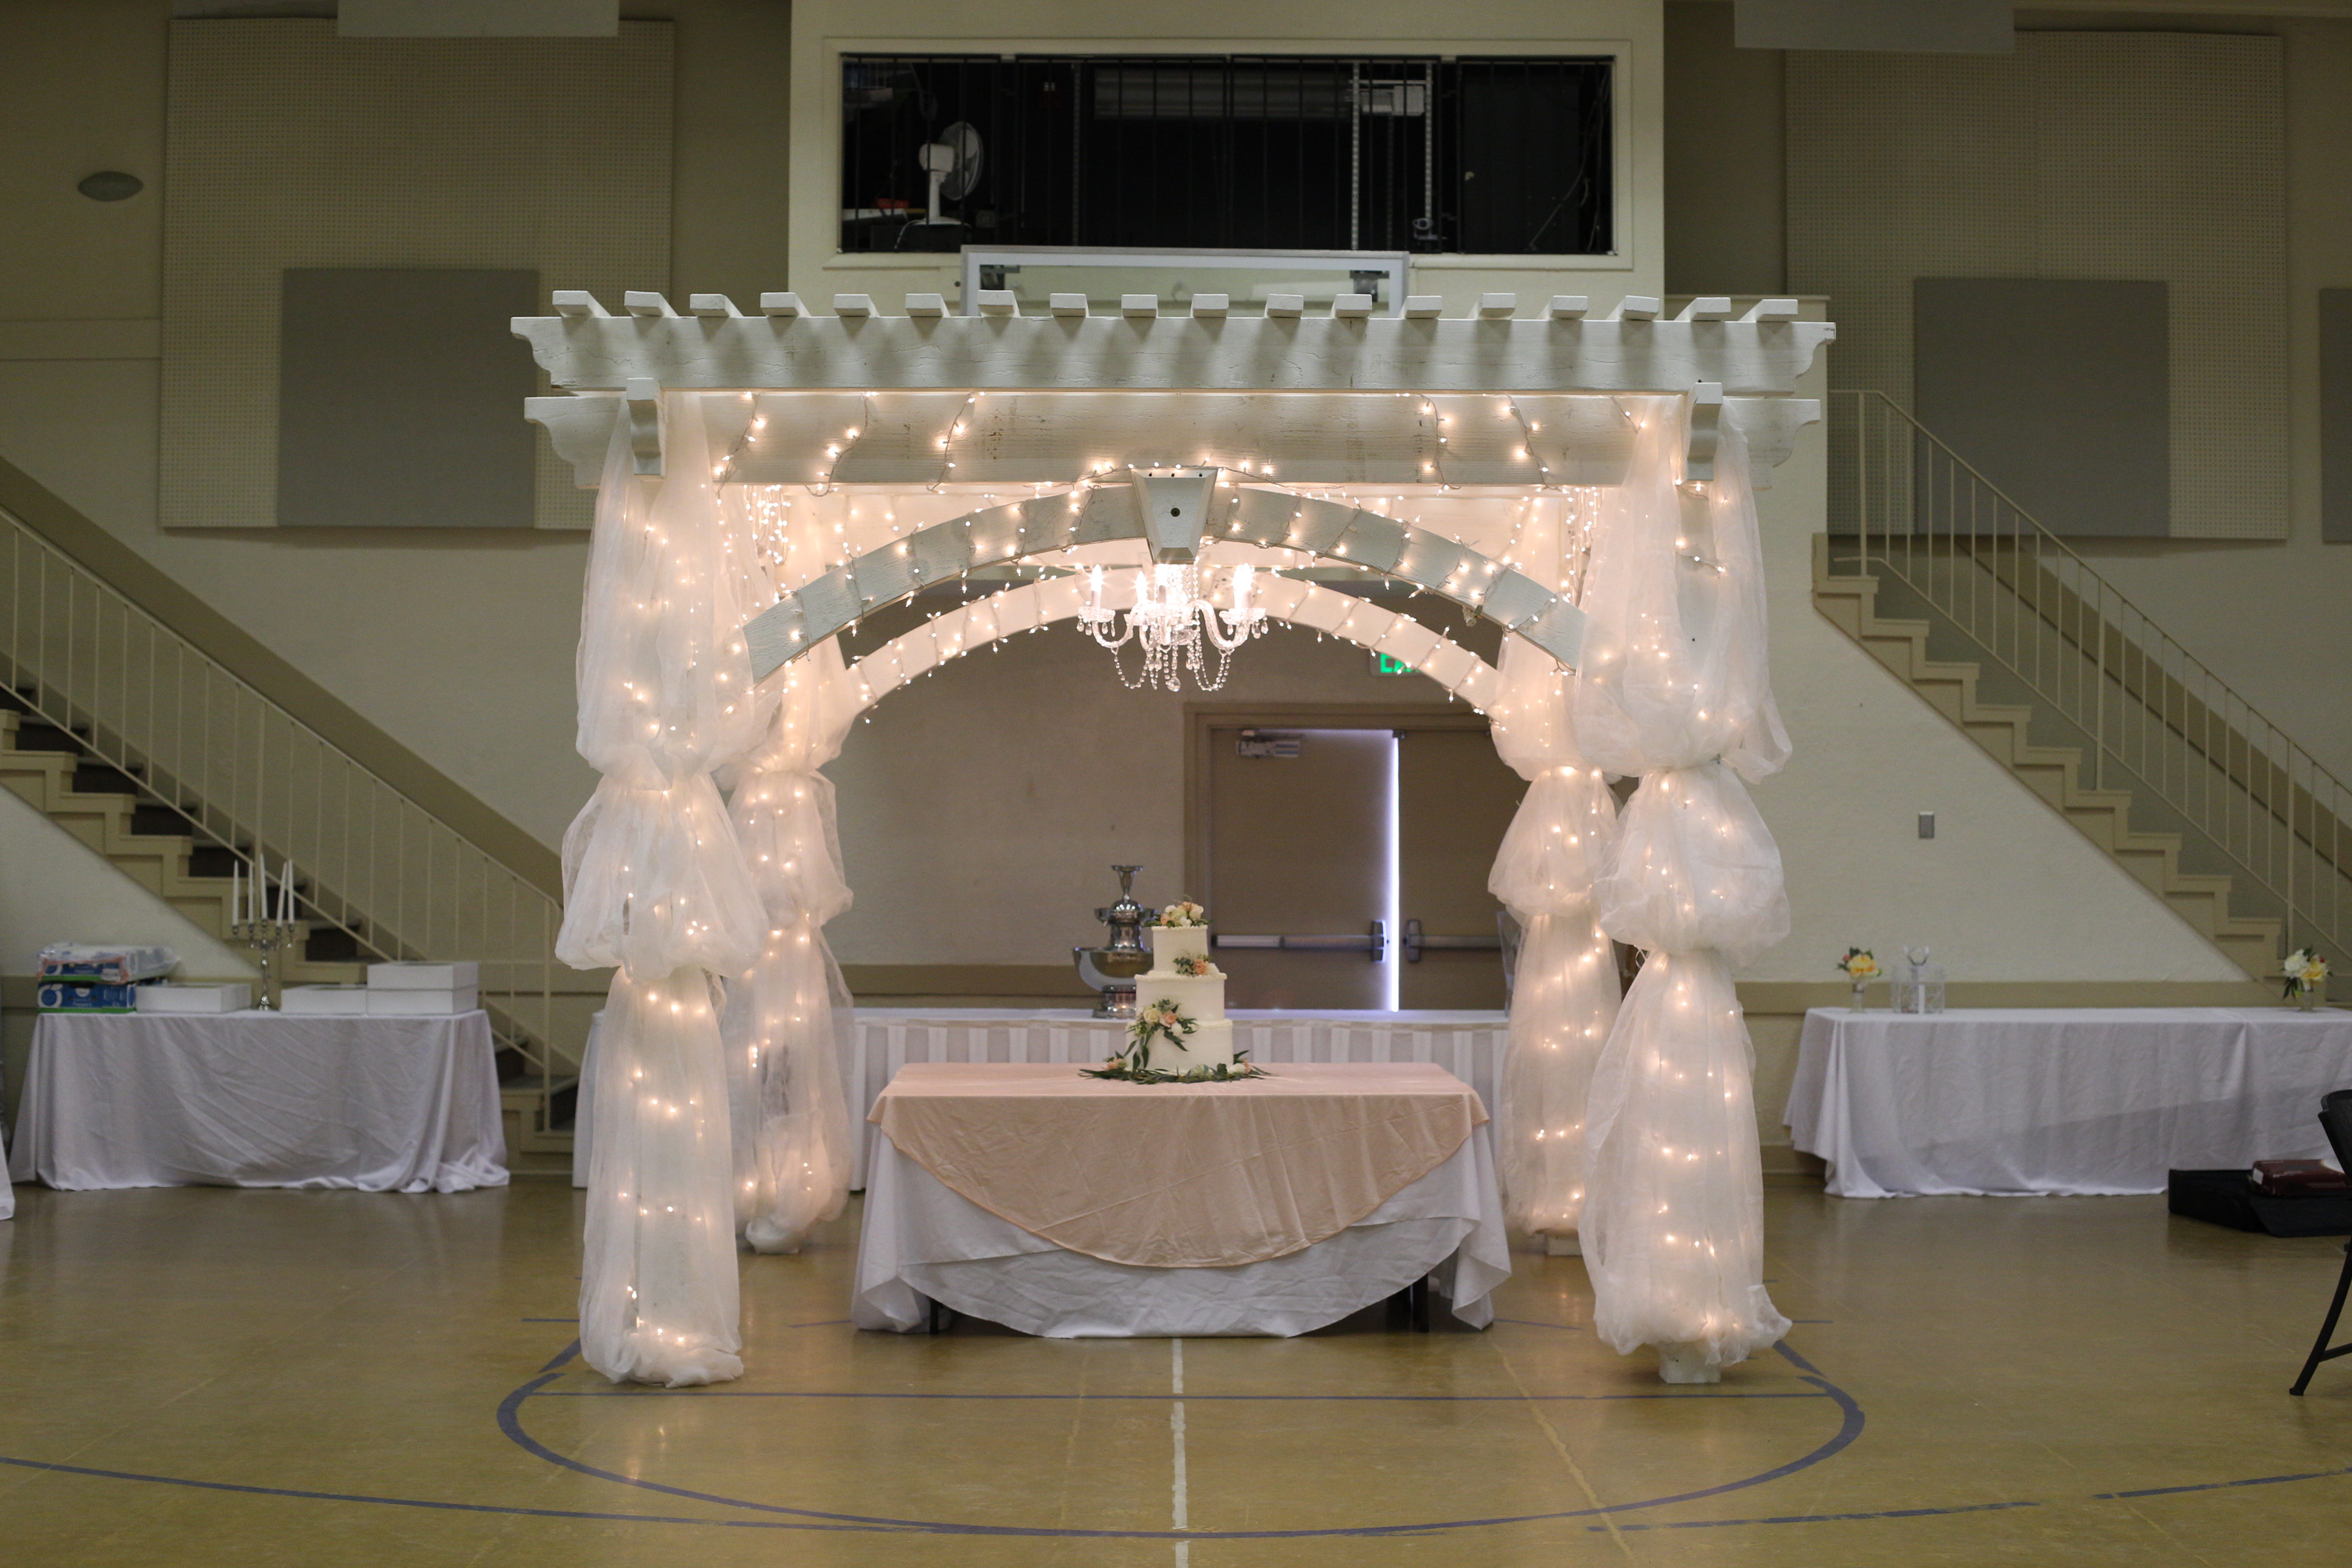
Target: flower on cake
x=1165 y=1018
x=1187 y=963
x=2305 y=971
x=1183 y=912
x=1162 y=1017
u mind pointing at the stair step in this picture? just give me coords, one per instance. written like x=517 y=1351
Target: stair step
x=153 y=816
x=104 y=778
x=213 y=860
x=331 y=944
x=39 y=735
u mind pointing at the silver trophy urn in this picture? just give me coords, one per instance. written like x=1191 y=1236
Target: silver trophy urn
x=1111 y=969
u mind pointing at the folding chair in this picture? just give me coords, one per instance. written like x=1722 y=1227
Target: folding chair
x=2336 y=1121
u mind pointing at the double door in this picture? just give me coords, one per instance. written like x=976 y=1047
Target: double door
x=1343 y=855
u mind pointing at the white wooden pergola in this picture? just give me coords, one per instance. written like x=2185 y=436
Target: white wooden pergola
x=1179 y=431
x=1466 y=457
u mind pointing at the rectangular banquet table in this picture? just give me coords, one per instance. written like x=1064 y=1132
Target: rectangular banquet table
x=2051 y=1100
x=262 y=1099
x=1031 y=1196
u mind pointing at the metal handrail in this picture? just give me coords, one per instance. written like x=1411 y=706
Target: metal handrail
x=243 y=773
x=1908 y=509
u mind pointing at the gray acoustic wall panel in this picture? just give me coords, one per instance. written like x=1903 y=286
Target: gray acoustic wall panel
x=2058 y=390
x=2335 y=416
x=400 y=398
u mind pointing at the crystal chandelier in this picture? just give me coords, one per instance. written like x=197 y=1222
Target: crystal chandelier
x=1170 y=622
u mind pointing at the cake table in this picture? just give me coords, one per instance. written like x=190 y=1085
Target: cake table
x=1030 y=1195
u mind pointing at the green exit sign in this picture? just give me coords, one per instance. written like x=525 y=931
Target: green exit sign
x=1389 y=664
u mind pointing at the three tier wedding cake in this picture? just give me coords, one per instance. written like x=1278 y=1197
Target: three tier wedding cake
x=1181 y=1031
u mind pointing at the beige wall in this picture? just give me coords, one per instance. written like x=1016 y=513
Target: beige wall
x=461 y=647
x=984 y=805
x=2274 y=619
x=2269 y=617
x=1727 y=183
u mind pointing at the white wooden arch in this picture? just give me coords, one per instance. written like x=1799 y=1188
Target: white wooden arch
x=1008 y=612
x=1178 y=515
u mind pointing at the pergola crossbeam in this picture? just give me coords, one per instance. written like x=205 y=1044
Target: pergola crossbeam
x=1105 y=513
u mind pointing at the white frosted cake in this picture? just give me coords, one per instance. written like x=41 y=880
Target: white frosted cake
x=1200 y=997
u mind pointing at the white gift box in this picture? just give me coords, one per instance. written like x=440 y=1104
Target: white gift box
x=324 y=1001
x=233 y=997
x=412 y=1003
x=424 y=977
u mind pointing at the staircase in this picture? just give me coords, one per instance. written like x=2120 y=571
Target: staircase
x=2055 y=772
x=2022 y=645
x=156 y=846
x=159 y=758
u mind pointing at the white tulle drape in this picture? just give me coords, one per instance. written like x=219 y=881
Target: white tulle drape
x=785 y=1018
x=1564 y=992
x=655 y=885
x=1673 y=686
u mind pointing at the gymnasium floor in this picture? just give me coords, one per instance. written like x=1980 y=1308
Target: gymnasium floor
x=254 y=1378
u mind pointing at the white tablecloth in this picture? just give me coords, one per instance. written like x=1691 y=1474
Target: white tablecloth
x=262 y=1099
x=2094 y=1101
x=921 y=1239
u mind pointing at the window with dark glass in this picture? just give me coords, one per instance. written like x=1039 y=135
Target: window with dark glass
x=1506 y=156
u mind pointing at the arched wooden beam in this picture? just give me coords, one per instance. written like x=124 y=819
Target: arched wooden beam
x=995 y=535
x=1010 y=611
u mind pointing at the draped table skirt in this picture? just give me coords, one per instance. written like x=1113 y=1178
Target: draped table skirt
x=2053 y=1100
x=262 y=1099
x=1319 y=1192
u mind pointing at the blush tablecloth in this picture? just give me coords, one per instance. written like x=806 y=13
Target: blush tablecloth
x=1321 y=1190
x=2060 y=1100
x=1178 y=1175
x=262 y=1099
x=1469 y=1045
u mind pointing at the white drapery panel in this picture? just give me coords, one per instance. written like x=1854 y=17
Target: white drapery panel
x=1674 y=687
x=788 y=1018
x=650 y=874
x=658 y=1298
x=656 y=884
x=1564 y=992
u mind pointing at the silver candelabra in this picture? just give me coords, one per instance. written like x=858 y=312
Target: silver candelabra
x=266 y=938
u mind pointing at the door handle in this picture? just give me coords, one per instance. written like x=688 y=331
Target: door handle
x=1416 y=943
x=1376 y=943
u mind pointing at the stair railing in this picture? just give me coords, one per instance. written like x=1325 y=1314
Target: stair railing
x=1905 y=507
x=246 y=774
